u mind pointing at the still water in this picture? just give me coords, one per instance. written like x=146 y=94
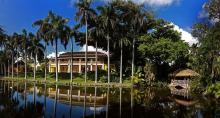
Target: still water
x=31 y=100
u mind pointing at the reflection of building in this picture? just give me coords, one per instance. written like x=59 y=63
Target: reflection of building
x=64 y=62
x=78 y=97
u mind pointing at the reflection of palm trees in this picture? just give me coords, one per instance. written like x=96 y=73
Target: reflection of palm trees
x=84 y=106
x=95 y=102
x=45 y=99
x=71 y=100
x=107 y=102
x=55 y=102
x=25 y=96
x=132 y=99
x=34 y=94
x=120 y=89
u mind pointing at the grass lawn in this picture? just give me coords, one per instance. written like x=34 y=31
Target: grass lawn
x=76 y=81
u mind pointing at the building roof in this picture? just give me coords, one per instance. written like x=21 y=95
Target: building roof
x=184 y=73
x=82 y=54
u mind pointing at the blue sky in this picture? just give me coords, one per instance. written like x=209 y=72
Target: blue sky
x=16 y=15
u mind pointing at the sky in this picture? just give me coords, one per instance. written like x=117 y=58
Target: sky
x=16 y=15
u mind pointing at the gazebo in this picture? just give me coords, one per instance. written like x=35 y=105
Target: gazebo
x=181 y=78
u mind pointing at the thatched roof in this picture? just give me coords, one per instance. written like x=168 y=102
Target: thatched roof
x=184 y=73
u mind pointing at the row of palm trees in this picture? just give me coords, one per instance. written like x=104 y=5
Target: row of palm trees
x=24 y=45
x=113 y=25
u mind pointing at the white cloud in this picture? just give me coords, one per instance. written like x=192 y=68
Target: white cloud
x=91 y=48
x=52 y=55
x=185 y=36
x=148 y=2
x=154 y=2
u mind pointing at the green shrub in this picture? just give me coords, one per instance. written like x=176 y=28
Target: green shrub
x=213 y=89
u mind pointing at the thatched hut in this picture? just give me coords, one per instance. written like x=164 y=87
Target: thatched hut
x=181 y=78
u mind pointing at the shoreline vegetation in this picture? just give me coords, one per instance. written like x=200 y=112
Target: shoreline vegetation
x=76 y=82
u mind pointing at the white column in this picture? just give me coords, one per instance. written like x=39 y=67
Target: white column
x=49 y=67
x=58 y=65
x=91 y=63
x=69 y=65
x=103 y=66
x=80 y=66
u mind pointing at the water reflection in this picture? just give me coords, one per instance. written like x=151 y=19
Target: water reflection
x=23 y=99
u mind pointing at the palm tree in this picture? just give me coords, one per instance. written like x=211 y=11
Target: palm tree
x=136 y=17
x=57 y=30
x=10 y=45
x=108 y=19
x=73 y=34
x=41 y=34
x=17 y=40
x=2 y=45
x=24 y=44
x=36 y=48
x=84 y=12
x=123 y=41
x=96 y=34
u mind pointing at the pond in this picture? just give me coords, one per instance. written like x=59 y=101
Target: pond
x=31 y=100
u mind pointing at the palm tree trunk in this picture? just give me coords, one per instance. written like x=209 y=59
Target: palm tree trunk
x=35 y=58
x=86 y=51
x=96 y=59
x=132 y=68
x=45 y=58
x=108 y=59
x=1 y=69
x=12 y=65
x=17 y=62
x=8 y=69
x=71 y=66
x=25 y=68
x=121 y=63
x=4 y=69
x=56 y=60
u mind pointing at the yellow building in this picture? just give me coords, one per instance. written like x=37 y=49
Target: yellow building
x=64 y=62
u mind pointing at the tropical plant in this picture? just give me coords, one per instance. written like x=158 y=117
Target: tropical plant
x=84 y=13
x=10 y=46
x=43 y=29
x=17 y=43
x=57 y=30
x=36 y=49
x=96 y=35
x=24 y=45
x=108 y=23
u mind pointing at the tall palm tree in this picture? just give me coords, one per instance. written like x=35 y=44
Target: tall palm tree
x=10 y=45
x=25 y=41
x=43 y=29
x=136 y=16
x=17 y=40
x=57 y=30
x=2 y=45
x=108 y=19
x=73 y=34
x=96 y=33
x=84 y=12
x=36 y=48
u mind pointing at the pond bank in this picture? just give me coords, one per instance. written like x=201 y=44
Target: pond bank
x=67 y=83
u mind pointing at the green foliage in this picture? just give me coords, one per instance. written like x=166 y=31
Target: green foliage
x=213 y=89
x=161 y=54
x=162 y=50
